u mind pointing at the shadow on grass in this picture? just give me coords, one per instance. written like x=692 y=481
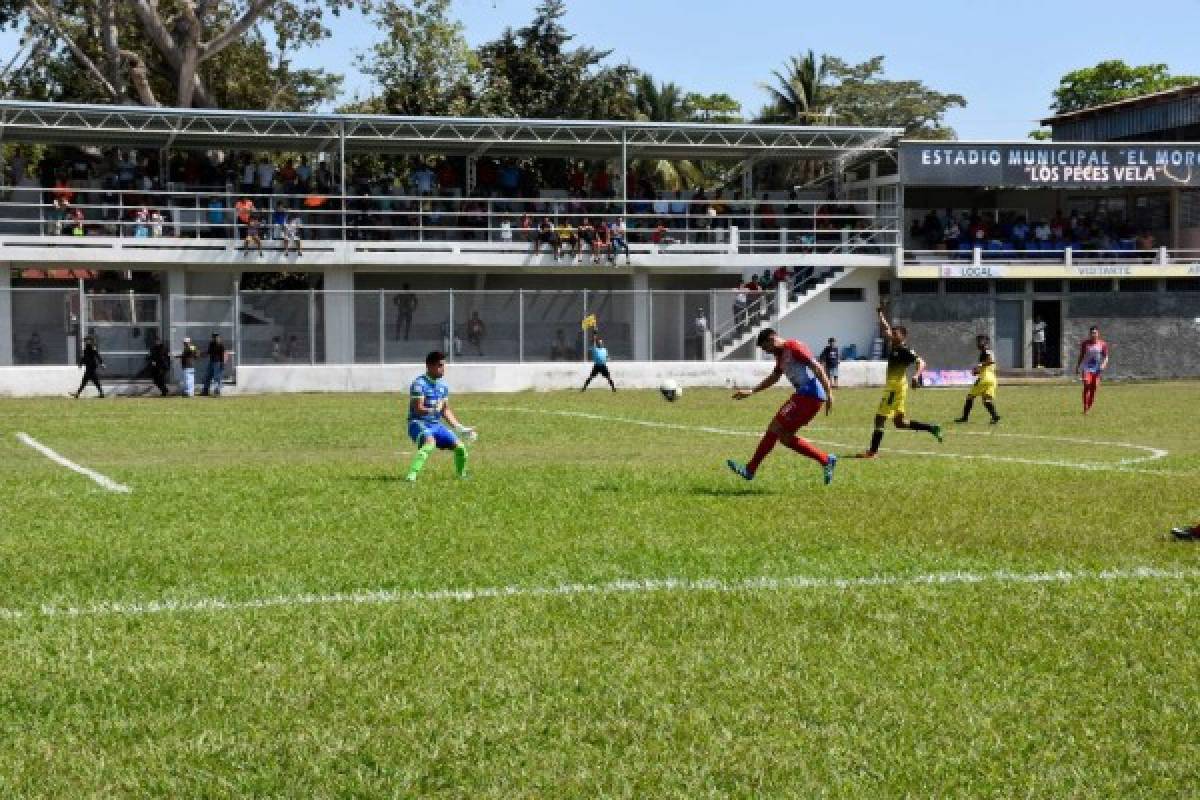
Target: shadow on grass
x=727 y=491
x=379 y=477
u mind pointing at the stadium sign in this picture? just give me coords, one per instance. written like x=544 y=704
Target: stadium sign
x=1061 y=165
x=1016 y=270
x=972 y=271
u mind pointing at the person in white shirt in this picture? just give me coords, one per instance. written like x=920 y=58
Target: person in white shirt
x=1039 y=342
x=266 y=176
x=248 y=174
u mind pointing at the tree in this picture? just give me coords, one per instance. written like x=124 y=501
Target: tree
x=718 y=107
x=182 y=52
x=1113 y=80
x=859 y=95
x=797 y=96
x=531 y=73
x=658 y=102
x=423 y=65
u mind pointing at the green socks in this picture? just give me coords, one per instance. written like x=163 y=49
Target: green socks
x=418 y=462
x=460 y=461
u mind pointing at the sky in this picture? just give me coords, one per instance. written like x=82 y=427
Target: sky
x=1004 y=57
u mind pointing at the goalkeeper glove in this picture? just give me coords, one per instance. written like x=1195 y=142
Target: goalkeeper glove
x=468 y=433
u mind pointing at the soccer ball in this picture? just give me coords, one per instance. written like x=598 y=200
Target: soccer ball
x=671 y=391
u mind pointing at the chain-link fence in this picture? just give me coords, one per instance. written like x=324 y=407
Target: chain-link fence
x=374 y=327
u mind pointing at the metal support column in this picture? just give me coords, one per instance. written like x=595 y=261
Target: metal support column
x=312 y=326
x=342 y=172
x=237 y=327
x=624 y=178
x=382 y=329
x=450 y=332
x=521 y=326
x=593 y=329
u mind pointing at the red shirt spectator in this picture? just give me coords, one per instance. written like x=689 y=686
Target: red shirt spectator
x=600 y=182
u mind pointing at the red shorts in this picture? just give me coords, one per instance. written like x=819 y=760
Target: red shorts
x=1091 y=379
x=797 y=412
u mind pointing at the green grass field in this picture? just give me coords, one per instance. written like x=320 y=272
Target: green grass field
x=214 y=633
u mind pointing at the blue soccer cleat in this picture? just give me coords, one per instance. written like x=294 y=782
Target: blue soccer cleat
x=740 y=470
x=829 y=469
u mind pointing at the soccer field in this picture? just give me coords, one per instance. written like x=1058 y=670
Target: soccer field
x=603 y=609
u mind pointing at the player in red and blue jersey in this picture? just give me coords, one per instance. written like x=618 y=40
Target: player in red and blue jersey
x=812 y=390
x=1093 y=360
x=427 y=408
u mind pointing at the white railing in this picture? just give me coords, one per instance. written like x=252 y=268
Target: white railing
x=718 y=225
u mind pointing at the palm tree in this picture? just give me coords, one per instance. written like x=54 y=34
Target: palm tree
x=796 y=95
x=664 y=103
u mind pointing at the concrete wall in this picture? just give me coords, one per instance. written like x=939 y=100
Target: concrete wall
x=1151 y=334
x=49 y=381
x=942 y=328
x=849 y=323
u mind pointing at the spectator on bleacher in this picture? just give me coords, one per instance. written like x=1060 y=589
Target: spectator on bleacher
x=1020 y=234
x=216 y=217
x=278 y=220
x=253 y=233
x=660 y=206
x=767 y=221
x=287 y=177
x=587 y=236
x=141 y=223
x=546 y=235
x=291 y=233
x=447 y=175
x=780 y=276
x=156 y=224
x=245 y=210
x=277 y=350
x=616 y=235
x=766 y=280
x=249 y=173
x=1145 y=241
x=1058 y=228
x=1041 y=233
x=303 y=175
x=952 y=234
x=568 y=240
x=601 y=183
x=422 y=179
x=679 y=211
x=266 y=176
x=601 y=246
x=662 y=236
x=126 y=170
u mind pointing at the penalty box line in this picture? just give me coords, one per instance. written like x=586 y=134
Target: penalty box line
x=622 y=587
x=1125 y=465
x=102 y=480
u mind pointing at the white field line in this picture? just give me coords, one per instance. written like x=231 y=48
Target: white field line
x=1124 y=465
x=621 y=587
x=106 y=482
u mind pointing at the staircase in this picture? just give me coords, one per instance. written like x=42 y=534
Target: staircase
x=767 y=313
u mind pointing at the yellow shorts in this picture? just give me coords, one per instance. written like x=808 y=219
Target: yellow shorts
x=983 y=389
x=894 y=398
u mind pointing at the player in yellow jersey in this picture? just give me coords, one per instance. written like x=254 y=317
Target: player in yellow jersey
x=895 y=393
x=985 y=381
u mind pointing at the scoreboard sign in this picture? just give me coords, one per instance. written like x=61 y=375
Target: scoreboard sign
x=1062 y=165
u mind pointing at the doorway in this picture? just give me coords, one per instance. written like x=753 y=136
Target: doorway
x=1009 y=340
x=1050 y=312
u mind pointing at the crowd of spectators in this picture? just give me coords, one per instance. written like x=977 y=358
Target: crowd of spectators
x=133 y=193
x=1011 y=231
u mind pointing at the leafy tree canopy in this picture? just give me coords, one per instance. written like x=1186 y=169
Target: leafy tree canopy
x=1113 y=80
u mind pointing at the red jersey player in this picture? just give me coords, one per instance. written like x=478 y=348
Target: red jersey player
x=1093 y=360
x=812 y=390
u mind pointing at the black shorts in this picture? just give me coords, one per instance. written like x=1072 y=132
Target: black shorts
x=600 y=369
